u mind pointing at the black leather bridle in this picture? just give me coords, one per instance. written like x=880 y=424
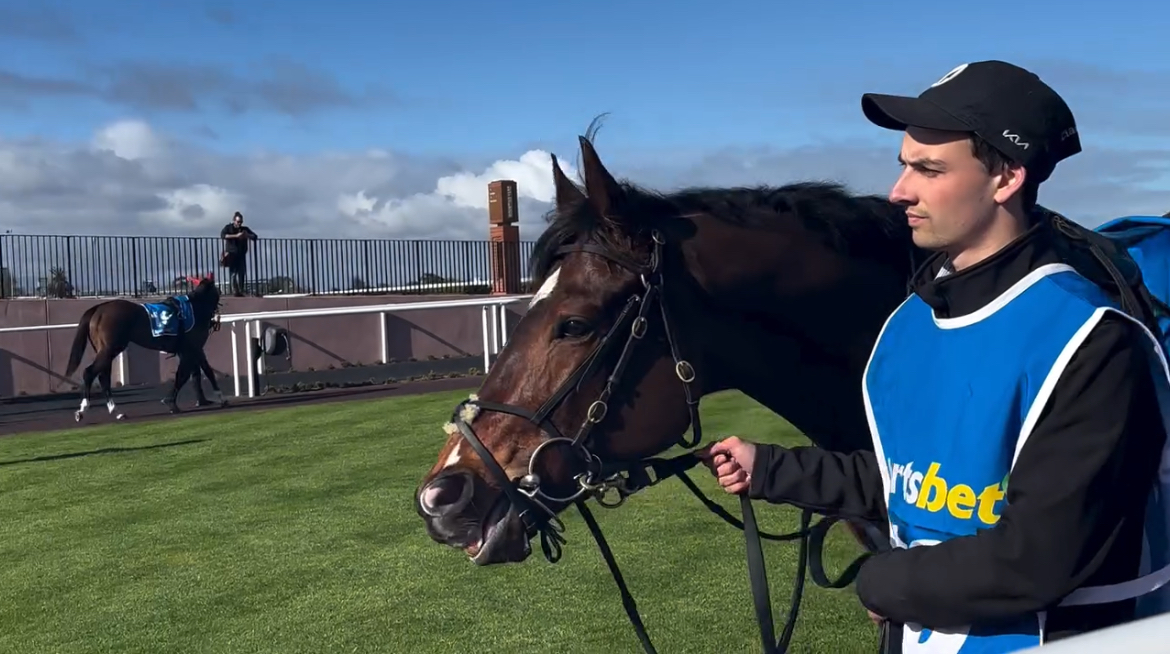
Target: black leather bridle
x=602 y=479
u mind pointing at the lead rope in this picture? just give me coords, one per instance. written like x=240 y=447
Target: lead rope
x=809 y=557
x=757 y=572
x=627 y=598
x=758 y=576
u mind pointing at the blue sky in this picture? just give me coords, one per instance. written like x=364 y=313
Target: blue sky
x=458 y=75
x=458 y=85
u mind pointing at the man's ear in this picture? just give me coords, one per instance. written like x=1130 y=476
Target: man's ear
x=1009 y=183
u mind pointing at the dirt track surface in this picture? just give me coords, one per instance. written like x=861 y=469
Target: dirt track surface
x=21 y=416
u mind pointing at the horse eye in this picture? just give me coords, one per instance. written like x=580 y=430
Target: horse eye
x=573 y=328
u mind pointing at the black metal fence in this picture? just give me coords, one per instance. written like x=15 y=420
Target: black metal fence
x=140 y=266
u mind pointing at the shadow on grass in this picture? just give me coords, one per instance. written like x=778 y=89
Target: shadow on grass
x=104 y=450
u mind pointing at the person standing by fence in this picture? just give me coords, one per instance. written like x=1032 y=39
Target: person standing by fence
x=235 y=251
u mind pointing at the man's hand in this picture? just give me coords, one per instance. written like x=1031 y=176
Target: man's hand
x=731 y=461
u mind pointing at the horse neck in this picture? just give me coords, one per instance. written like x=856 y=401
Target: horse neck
x=201 y=307
x=817 y=393
x=799 y=347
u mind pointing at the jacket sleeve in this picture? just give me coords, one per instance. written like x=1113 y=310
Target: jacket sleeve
x=848 y=485
x=1082 y=476
x=224 y=232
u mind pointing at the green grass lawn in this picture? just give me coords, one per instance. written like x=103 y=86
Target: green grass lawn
x=292 y=530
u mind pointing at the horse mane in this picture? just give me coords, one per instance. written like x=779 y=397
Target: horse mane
x=854 y=224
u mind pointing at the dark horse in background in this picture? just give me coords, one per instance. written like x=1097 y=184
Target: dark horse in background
x=178 y=325
x=648 y=302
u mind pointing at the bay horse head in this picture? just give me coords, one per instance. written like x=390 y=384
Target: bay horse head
x=646 y=303
x=205 y=299
x=204 y=285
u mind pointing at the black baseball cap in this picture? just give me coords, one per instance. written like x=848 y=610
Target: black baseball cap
x=1008 y=106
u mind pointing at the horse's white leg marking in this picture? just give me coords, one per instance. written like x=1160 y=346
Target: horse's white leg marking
x=110 y=406
x=546 y=288
x=78 y=414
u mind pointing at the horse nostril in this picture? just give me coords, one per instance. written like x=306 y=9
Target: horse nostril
x=446 y=494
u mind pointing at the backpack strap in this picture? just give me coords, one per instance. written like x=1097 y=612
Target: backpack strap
x=1102 y=261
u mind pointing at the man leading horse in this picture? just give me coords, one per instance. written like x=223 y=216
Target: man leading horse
x=1016 y=405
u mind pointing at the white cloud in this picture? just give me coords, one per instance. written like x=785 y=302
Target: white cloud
x=532 y=174
x=457 y=205
x=130 y=178
x=128 y=139
x=198 y=205
x=355 y=204
x=18 y=173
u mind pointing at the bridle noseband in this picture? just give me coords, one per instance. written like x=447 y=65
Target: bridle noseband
x=600 y=479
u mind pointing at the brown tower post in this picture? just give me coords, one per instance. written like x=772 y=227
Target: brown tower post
x=504 y=237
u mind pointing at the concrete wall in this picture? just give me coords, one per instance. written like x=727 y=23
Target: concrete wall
x=32 y=363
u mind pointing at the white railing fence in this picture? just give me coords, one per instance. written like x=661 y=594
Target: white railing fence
x=492 y=311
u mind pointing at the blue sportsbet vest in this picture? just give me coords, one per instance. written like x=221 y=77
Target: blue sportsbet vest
x=946 y=442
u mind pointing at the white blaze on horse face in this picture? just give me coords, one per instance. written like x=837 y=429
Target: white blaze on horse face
x=546 y=288
x=453 y=457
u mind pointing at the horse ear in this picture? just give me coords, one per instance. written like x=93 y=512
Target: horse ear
x=567 y=192
x=603 y=190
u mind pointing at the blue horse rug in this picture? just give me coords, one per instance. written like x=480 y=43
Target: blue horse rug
x=164 y=322
x=1147 y=239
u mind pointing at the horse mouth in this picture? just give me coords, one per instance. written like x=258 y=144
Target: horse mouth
x=501 y=538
